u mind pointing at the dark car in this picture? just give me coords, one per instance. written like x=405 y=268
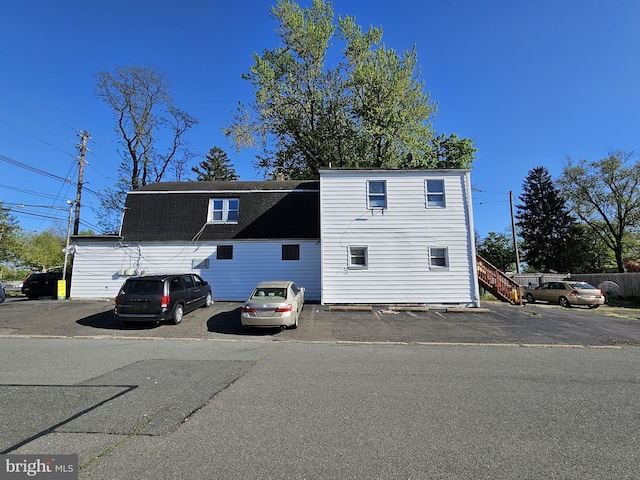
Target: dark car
x=43 y=284
x=156 y=298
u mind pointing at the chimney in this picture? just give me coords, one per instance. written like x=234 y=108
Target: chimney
x=280 y=177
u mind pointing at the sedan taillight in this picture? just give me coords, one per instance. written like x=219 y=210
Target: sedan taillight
x=246 y=309
x=574 y=292
x=284 y=308
x=166 y=299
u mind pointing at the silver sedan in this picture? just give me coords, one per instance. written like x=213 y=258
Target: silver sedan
x=273 y=304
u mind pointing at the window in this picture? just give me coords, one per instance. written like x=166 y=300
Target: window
x=224 y=252
x=358 y=257
x=377 y=193
x=435 y=193
x=290 y=252
x=224 y=210
x=200 y=264
x=438 y=257
x=188 y=281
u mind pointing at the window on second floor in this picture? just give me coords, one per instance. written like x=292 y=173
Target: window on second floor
x=376 y=194
x=224 y=210
x=290 y=252
x=435 y=193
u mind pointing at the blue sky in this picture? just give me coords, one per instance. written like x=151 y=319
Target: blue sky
x=531 y=82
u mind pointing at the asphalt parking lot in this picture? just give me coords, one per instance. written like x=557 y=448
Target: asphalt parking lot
x=495 y=323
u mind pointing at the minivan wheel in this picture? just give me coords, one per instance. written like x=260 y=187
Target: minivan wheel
x=178 y=313
x=564 y=302
x=208 y=301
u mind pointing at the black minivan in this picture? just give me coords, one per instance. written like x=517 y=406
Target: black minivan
x=156 y=298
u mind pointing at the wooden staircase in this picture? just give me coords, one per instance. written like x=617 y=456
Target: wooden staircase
x=496 y=282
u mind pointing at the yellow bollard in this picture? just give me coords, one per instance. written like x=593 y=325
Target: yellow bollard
x=62 y=289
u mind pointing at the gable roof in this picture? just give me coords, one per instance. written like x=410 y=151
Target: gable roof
x=178 y=211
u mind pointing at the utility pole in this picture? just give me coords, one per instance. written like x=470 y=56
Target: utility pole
x=513 y=232
x=83 y=149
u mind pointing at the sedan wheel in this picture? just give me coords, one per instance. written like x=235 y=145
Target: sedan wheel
x=564 y=302
x=178 y=313
x=594 y=306
x=530 y=298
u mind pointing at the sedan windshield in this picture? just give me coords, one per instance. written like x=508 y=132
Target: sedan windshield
x=269 y=293
x=583 y=286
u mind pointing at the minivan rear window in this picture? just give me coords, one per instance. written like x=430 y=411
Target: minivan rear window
x=139 y=287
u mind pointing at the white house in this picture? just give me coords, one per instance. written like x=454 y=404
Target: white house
x=356 y=236
x=397 y=236
x=233 y=234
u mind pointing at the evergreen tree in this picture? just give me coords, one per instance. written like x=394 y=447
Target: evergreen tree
x=544 y=223
x=215 y=167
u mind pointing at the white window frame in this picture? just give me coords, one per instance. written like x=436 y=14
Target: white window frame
x=441 y=194
x=376 y=195
x=438 y=254
x=351 y=253
x=224 y=211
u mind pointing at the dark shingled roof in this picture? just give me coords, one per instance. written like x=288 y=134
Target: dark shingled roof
x=177 y=211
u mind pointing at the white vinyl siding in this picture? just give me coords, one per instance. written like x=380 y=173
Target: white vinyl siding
x=399 y=240
x=98 y=269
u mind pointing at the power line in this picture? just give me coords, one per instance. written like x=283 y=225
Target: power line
x=18 y=164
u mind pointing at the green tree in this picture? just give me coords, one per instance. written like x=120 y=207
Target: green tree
x=605 y=195
x=544 y=223
x=588 y=253
x=8 y=229
x=41 y=251
x=497 y=249
x=144 y=113
x=215 y=167
x=369 y=110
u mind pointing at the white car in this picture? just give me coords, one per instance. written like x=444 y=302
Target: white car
x=273 y=304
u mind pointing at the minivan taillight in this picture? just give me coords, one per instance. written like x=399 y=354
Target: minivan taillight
x=166 y=299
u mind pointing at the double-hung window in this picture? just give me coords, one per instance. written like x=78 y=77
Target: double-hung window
x=358 y=257
x=376 y=194
x=224 y=210
x=435 y=193
x=438 y=257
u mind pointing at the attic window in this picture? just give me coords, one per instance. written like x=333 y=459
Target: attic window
x=224 y=210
